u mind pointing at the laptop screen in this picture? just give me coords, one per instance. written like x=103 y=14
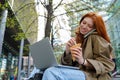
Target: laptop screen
x=43 y=54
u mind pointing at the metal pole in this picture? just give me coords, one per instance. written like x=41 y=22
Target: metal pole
x=2 y=28
x=29 y=63
x=20 y=59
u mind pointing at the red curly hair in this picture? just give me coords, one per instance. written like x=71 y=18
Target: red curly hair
x=99 y=25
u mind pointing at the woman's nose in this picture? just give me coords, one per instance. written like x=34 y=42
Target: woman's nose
x=85 y=26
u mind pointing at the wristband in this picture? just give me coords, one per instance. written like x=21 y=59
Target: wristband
x=83 y=62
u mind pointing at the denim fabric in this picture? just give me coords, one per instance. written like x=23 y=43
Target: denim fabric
x=63 y=73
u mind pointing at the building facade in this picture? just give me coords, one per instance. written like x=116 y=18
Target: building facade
x=9 y=47
x=113 y=28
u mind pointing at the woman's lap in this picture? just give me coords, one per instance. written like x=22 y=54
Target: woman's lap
x=63 y=73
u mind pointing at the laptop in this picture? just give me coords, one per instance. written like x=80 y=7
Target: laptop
x=43 y=55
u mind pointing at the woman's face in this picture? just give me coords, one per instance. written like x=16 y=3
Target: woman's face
x=86 y=25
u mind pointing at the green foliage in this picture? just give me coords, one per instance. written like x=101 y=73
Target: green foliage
x=59 y=50
x=118 y=63
x=77 y=8
x=19 y=36
x=58 y=57
x=117 y=52
x=26 y=50
x=3 y=5
x=115 y=7
x=11 y=22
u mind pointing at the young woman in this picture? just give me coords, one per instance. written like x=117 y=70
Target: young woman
x=93 y=57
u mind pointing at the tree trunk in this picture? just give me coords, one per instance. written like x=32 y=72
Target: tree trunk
x=49 y=19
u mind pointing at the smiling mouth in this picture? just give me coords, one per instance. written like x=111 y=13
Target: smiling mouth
x=83 y=31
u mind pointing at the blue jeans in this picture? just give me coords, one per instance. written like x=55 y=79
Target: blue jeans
x=63 y=73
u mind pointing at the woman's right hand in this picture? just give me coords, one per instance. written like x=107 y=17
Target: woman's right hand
x=69 y=44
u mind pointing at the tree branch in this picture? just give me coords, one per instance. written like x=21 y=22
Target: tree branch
x=88 y=4
x=42 y=16
x=71 y=12
x=58 y=5
x=111 y=5
x=42 y=4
